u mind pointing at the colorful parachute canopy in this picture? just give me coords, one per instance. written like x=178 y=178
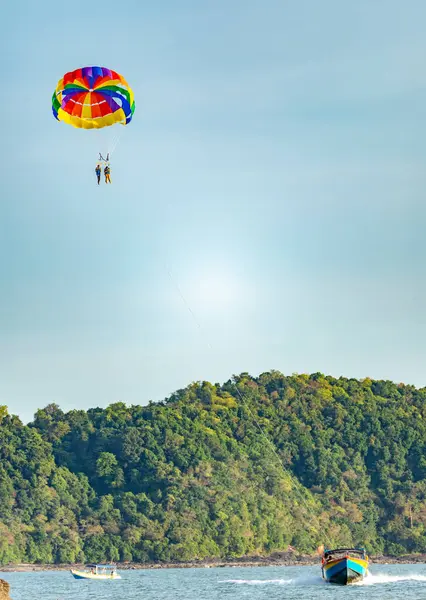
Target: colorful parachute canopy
x=93 y=97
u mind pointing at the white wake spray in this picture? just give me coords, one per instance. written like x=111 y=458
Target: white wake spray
x=381 y=578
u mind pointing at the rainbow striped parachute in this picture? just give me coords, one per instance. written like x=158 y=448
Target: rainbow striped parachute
x=92 y=98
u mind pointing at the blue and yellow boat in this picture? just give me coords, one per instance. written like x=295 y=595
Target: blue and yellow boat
x=97 y=572
x=344 y=565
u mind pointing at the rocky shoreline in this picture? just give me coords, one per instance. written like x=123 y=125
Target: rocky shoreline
x=278 y=559
x=4 y=590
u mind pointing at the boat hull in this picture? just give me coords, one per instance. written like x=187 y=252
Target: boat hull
x=345 y=571
x=86 y=575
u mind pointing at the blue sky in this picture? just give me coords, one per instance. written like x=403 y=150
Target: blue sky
x=267 y=208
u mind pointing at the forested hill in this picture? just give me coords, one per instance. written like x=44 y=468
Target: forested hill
x=247 y=467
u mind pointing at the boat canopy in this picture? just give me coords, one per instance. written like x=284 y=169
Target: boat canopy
x=340 y=550
x=96 y=566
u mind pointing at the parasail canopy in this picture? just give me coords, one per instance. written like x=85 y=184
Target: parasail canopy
x=92 y=98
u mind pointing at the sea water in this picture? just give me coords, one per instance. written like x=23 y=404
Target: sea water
x=385 y=582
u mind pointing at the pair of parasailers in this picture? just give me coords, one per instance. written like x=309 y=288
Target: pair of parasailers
x=107 y=173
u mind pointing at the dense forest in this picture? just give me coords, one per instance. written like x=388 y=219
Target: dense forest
x=244 y=468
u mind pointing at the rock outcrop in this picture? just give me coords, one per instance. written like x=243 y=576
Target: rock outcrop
x=4 y=590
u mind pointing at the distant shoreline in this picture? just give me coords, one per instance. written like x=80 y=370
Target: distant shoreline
x=276 y=560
